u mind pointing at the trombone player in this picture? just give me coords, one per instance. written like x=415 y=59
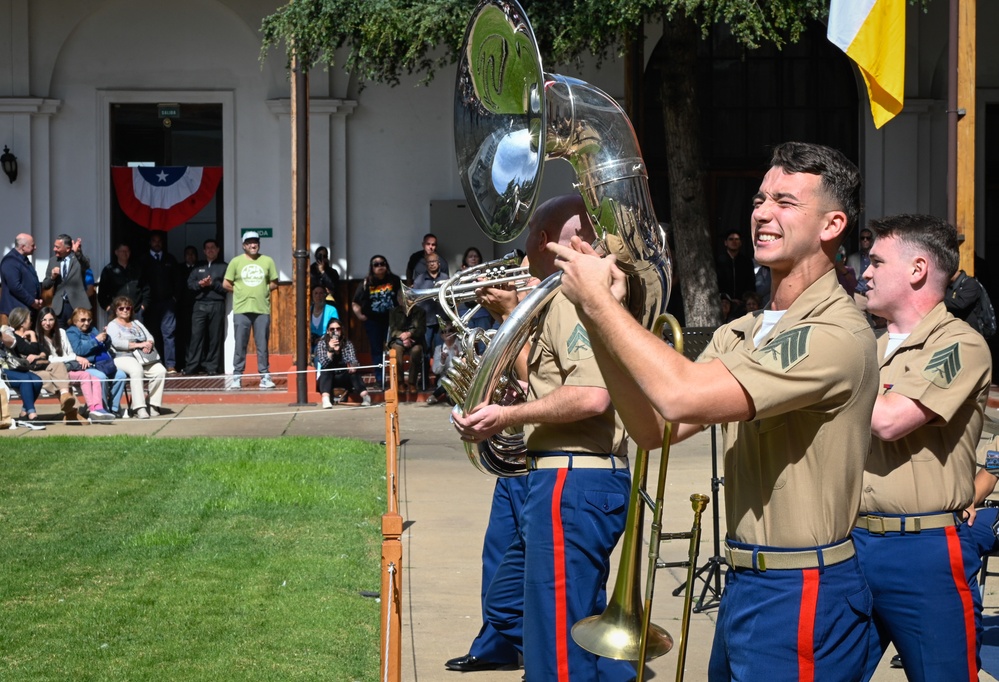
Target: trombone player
x=578 y=482
x=795 y=387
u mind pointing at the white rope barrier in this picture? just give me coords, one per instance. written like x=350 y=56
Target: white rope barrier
x=387 y=604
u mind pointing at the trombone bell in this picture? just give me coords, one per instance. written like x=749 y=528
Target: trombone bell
x=617 y=633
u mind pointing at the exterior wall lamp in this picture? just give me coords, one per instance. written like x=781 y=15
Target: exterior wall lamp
x=9 y=163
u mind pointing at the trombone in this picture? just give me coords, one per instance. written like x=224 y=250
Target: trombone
x=625 y=631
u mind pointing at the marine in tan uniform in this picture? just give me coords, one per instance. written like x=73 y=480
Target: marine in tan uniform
x=795 y=385
x=577 y=489
x=920 y=560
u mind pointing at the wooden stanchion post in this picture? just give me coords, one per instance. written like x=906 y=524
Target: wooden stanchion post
x=391 y=588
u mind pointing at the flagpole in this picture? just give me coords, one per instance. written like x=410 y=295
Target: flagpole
x=300 y=222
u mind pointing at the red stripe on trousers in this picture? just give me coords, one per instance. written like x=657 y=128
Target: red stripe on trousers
x=964 y=592
x=806 y=624
x=561 y=617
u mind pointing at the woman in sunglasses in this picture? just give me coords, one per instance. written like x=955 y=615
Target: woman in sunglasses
x=132 y=341
x=336 y=365
x=374 y=299
x=56 y=343
x=95 y=348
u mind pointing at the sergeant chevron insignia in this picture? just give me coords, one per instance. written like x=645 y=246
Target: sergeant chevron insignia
x=944 y=366
x=787 y=349
x=578 y=345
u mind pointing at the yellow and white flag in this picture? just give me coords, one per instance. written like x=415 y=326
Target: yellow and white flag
x=872 y=33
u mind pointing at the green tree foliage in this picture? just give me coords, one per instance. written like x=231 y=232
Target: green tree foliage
x=382 y=40
x=386 y=39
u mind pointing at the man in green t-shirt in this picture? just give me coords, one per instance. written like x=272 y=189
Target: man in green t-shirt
x=251 y=278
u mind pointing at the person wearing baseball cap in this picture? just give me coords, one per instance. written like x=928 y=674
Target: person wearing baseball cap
x=251 y=278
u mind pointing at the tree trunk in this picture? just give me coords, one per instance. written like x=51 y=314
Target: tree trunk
x=694 y=257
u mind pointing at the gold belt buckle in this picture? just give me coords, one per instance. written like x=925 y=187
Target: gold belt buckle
x=880 y=529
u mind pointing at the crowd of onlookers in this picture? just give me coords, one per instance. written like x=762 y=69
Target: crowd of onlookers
x=163 y=318
x=148 y=317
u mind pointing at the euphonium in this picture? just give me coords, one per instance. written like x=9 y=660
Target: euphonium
x=510 y=118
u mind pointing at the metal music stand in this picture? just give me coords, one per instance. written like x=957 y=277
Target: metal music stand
x=695 y=340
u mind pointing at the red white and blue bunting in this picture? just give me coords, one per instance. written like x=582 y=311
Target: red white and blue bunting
x=163 y=197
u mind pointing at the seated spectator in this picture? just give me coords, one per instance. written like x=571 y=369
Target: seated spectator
x=443 y=356
x=54 y=376
x=321 y=311
x=93 y=351
x=137 y=357
x=15 y=372
x=56 y=344
x=336 y=365
x=323 y=274
x=729 y=308
x=407 y=333
x=751 y=302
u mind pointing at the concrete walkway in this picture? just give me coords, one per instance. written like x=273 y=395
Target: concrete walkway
x=444 y=501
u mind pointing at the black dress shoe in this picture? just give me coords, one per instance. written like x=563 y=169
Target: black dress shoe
x=896 y=661
x=468 y=664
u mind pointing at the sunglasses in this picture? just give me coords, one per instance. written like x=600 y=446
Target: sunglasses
x=84 y=319
x=124 y=307
x=866 y=238
x=379 y=264
x=333 y=329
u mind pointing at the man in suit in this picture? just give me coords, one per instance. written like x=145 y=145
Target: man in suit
x=19 y=284
x=159 y=273
x=67 y=277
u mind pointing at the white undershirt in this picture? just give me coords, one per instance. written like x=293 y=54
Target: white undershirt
x=770 y=320
x=894 y=341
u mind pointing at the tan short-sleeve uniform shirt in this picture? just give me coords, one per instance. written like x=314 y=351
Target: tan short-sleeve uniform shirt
x=793 y=473
x=561 y=355
x=945 y=365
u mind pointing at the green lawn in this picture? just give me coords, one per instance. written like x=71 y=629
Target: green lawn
x=189 y=559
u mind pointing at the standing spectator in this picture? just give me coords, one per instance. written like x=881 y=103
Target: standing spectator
x=860 y=261
x=416 y=266
x=321 y=311
x=251 y=278
x=966 y=300
x=121 y=277
x=206 y=281
x=185 y=304
x=19 y=285
x=374 y=299
x=431 y=279
x=481 y=319
x=68 y=277
x=735 y=268
x=336 y=363
x=321 y=273
x=159 y=273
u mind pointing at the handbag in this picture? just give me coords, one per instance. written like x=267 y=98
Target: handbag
x=145 y=359
x=105 y=364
